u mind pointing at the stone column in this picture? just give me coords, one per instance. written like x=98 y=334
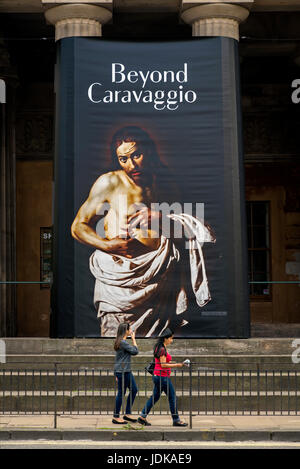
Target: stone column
x=222 y=20
x=8 y=312
x=77 y=19
x=71 y=20
x=216 y=19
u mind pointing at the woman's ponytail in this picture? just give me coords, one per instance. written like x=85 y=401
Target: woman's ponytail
x=157 y=347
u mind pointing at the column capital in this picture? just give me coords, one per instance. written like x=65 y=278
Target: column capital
x=187 y=4
x=77 y=19
x=216 y=19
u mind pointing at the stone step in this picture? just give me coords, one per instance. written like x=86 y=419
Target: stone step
x=105 y=380
x=200 y=403
x=253 y=346
x=106 y=362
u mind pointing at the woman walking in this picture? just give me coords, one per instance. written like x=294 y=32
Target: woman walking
x=161 y=380
x=122 y=370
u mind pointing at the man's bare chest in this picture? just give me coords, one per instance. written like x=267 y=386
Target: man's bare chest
x=129 y=200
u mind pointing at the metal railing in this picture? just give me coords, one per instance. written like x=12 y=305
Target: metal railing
x=78 y=389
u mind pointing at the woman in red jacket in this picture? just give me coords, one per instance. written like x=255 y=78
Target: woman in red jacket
x=161 y=380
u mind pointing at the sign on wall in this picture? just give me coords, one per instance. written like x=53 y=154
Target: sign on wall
x=46 y=256
x=149 y=223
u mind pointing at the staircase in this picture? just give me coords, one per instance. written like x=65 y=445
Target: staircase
x=75 y=376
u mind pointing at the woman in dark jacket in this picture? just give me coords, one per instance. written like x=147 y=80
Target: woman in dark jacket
x=161 y=380
x=122 y=370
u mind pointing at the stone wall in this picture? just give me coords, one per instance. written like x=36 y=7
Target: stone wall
x=271 y=144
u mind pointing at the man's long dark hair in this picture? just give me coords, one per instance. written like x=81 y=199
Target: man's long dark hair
x=145 y=143
x=122 y=329
x=160 y=343
x=165 y=180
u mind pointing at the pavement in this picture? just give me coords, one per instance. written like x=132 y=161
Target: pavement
x=101 y=428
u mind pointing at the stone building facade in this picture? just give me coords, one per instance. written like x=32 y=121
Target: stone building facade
x=269 y=46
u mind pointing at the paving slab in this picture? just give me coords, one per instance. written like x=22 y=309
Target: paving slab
x=27 y=421
x=253 y=422
x=78 y=422
x=211 y=422
x=286 y=422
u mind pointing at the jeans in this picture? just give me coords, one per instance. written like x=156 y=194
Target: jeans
x=125 y=381
x=162 y=384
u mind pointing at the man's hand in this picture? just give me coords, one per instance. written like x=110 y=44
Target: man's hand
x=143 y=219
x=125 y=247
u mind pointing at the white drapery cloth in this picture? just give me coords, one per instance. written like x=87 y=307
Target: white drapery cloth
x=140 y=287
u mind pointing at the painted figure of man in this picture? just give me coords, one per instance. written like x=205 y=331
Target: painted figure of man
x=136 y=266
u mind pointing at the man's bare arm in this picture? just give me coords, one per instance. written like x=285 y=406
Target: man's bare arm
x=82 y=227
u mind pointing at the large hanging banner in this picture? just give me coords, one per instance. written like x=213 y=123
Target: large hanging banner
x=149 y=209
